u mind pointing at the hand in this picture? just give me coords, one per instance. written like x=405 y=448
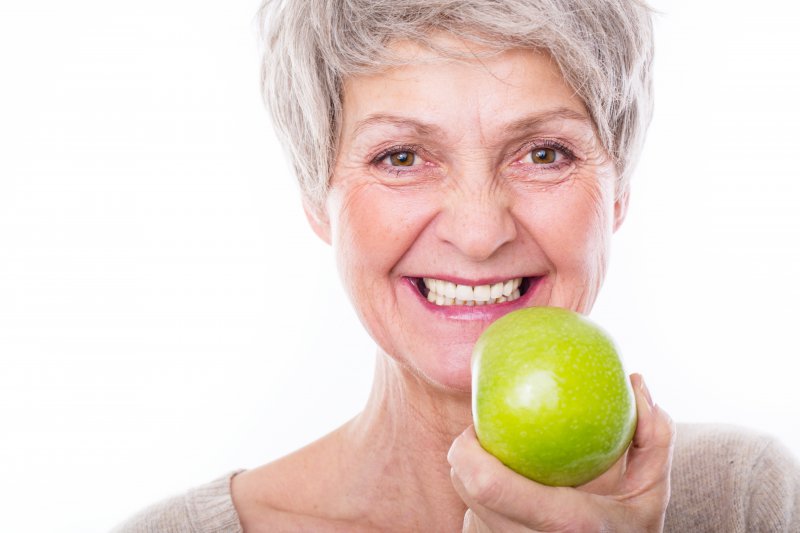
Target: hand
x=631 y=496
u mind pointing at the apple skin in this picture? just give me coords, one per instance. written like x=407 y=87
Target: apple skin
x=550 y=397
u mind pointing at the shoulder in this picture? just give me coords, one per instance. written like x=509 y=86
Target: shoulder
x=716 y=445
x=206 y=508
x=732 y=479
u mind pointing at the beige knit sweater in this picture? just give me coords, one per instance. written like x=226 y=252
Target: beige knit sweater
x=723 y=479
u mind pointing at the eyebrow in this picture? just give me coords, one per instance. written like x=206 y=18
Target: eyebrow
x=536 y=121
x=421 y=129
x=524 y=124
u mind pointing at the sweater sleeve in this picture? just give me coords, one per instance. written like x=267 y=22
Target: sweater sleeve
x=204 y=509
x=734 y=480
x=774 y=491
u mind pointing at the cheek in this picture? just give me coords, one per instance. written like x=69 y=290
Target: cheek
x=574 y=227
x=373 y=228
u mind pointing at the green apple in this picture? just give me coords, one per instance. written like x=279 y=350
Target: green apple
x=550 y=397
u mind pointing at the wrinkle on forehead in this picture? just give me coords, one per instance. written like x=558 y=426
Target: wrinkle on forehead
x=528 y=124
x=538 y=74
x=470 y=113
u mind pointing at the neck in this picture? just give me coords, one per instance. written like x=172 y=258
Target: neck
x=404 y=434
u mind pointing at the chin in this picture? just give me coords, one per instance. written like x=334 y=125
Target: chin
x=447 y=371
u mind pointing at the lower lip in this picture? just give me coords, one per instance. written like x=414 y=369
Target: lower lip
x=486 y=312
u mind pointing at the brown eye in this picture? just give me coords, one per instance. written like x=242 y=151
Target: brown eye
x=543 y=156
x=402 y=159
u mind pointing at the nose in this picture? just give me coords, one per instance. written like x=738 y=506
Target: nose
x=478 y=222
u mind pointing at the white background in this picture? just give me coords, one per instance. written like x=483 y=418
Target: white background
x=166 y=315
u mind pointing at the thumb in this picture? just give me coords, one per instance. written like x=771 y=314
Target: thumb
x=650 y=454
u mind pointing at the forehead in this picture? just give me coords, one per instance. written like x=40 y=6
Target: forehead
x=467 y=85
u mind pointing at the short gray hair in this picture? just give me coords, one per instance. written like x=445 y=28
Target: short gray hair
x=604 y=49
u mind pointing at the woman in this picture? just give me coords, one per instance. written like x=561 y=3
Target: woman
x=442 y=148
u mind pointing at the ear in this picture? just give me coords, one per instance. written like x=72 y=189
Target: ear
x=621 y=206
x=317 y=217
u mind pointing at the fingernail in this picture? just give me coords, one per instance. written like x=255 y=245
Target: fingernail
x=450 y=452
x=646 y=392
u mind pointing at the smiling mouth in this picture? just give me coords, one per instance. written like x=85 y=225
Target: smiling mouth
x=441 y=292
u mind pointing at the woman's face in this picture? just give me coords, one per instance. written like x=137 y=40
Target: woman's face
x=463 y=190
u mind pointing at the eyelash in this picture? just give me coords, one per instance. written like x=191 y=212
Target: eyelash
x=568 y=156
x=397 y=171
x=395 y=150
x=552 y=144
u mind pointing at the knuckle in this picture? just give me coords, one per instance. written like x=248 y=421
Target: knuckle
x=665 y=430
x=485 y=488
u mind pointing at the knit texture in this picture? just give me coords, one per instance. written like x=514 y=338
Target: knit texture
x=729 y=480
x=204 y=509
x=724 y=479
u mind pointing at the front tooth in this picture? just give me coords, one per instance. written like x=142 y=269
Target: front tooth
x=508 y=287
x=464 y=292
x=482 y=292
x=439 y=299
x=428 y=282
x=450 y=289
x=458 y=302
x=497 y=290
x=448 y=301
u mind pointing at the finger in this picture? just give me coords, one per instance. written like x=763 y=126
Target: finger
x=610 y=481
x=480 y=519
x=473 y=523
x=650 y=455
x=485 y=483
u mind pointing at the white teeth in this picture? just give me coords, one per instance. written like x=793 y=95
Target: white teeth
x=450 y=290
x=482 y=292
x=439 y=286
x=508 y=287
x=442 y=292
x=464 y=292
x=496 y=291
